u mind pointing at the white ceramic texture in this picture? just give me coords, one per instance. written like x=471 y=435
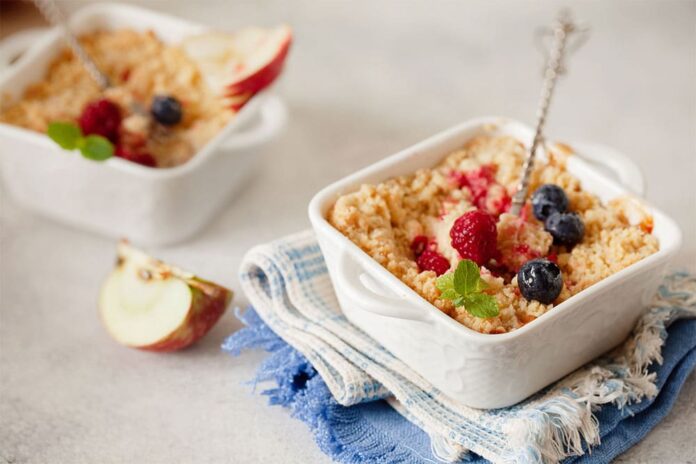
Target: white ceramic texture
x=119 y=198
x=489 y=371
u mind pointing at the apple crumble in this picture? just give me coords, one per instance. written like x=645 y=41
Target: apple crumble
x=420 y=226
x=147 y=77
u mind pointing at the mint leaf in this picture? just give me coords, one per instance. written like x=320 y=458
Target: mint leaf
x=445 y=282
x=69 y=137
x=481 y=305
x=449 y=294
x=65 y=134
x=96 y=147
x=464 y=287
x=467 y=277
x=481 y=285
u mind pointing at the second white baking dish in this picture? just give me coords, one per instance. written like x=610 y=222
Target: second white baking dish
x=119 y=198
x=480 y=370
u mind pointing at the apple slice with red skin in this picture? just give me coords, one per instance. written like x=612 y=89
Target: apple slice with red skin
x=147 y=304
x=239 y=65
x=265 y=65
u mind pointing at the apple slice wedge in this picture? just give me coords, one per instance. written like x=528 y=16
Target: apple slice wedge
x=147 y=304
x=237 y=66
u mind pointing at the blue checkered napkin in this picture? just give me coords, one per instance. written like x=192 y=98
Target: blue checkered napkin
x=288 y=285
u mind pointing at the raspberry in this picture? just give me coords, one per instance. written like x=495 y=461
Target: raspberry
x=431 y=260
x=142 y=158
x=486 y=193
x=479 y=181
x=102 y=117
x=497 y=200
x=419 y=244
x=474 y=236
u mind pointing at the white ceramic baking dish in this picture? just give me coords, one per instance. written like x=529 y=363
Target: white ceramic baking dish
x=479 y=370
x=119 y=198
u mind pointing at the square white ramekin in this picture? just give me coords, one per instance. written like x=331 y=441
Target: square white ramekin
x=119 y=198
x=479 y=370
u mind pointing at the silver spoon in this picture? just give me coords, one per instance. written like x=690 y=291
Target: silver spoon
x=54 y=16
x=49 y=9
x=563 y=27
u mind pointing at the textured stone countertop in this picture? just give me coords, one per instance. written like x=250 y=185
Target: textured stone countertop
x=365 y=79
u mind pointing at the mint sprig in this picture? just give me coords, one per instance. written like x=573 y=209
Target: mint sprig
x=464 y=287
x=65 y=134
x=96 y=147
x=69 y=137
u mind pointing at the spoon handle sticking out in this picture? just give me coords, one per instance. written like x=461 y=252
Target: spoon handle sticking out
x=562 y=29
x=54 y=16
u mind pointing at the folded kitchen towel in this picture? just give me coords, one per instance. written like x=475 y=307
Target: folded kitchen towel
x=334 y=377
x=373 y=432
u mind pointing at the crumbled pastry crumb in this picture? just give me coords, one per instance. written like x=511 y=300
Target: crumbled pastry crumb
x=383 y=219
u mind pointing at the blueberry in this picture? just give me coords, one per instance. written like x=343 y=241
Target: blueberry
x=540 y=280
x=166 y=110
x=567 y=228
x=548 y=199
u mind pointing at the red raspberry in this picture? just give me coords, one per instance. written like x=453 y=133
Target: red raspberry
x=486 y=193
x=102 y=117
x=143 y=158
x=497 y=200
x=431 y=260
x=475 y=236
x=419 y=244
x=478 y=181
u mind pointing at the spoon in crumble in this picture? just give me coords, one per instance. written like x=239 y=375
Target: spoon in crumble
x=562 y=29
x=50 y=11
x=54 y=16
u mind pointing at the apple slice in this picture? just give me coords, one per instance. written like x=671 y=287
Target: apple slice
x=239 y=65
x=147 y=304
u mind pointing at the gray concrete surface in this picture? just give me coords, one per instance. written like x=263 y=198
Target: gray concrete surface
x=364 y=80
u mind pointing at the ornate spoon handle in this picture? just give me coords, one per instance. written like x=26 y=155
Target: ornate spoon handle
x=562 y=28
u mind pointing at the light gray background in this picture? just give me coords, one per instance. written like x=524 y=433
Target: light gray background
x=364 y=80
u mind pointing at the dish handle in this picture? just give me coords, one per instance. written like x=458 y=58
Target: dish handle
x=623 y=167
x=363 y=290
x=14 y=46
x=273 y=115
